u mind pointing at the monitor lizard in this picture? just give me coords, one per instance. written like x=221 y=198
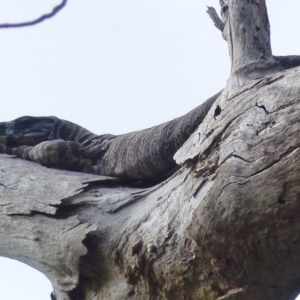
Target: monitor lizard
x=142 y=155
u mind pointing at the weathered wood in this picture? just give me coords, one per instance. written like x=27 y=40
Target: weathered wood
x=225 y=226
x=247 y=32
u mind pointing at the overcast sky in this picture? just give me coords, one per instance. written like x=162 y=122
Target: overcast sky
x=113 y=67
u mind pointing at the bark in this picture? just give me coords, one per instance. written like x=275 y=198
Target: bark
x=225 y=226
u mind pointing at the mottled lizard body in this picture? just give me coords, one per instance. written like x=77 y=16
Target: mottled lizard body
x=143 y=155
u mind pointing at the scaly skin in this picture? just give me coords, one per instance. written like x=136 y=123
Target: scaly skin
x=142 y=155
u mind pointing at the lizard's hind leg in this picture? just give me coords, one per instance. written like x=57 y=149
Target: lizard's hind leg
x=61 y=154
x=57 y=153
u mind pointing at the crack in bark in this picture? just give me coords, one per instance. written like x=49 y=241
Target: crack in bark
x=271 y=80
x=239 y=157
x=9 y=186
x=285 y=106
x=36 y=213
x=1 y=184
x=77 y=225
x=262 y=107
x=233 y=182
x=135 y=196
x=288 y=152
x=260 y=82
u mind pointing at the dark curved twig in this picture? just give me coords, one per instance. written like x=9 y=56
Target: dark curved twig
x=54 y=11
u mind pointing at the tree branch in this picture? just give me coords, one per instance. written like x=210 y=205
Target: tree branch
x=54 y=11
x=215 y=18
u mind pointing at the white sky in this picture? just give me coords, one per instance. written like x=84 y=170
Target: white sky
x=113 y=67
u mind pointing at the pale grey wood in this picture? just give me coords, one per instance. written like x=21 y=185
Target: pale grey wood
x=215 y=18
x=225 y=226
x=247 y=32
x=15 y=179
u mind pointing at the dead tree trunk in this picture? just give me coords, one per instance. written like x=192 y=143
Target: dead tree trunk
x=225 y=226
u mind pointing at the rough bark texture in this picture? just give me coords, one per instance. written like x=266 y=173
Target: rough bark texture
x=225 y=226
